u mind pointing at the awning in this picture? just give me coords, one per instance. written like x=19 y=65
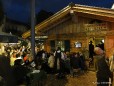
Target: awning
x=8 y=38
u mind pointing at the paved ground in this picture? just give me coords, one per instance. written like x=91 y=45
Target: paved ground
x=86 y=79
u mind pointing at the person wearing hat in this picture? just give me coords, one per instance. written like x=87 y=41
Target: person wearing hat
x=91 y=52
x=103 y=72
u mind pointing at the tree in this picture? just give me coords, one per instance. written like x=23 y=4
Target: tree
x=42 y=15
x=1 y=12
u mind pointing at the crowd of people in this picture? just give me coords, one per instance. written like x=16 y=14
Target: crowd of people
x=21 y=63
x=17 y=64
x=61 y=63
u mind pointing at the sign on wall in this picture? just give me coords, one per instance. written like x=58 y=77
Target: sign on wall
x=95 y=27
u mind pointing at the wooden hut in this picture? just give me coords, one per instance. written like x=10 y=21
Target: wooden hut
x=73 y=27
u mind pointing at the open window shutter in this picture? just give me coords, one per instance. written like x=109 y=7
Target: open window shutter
x=52 y=44
x=67 y=45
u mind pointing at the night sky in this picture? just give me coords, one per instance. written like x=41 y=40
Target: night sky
x=19 y=10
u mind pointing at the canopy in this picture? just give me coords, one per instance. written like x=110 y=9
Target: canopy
x=8 y=38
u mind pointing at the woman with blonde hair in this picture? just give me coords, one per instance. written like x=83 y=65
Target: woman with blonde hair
x=51 y=61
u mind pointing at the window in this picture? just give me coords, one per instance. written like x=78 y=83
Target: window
x=60 y=44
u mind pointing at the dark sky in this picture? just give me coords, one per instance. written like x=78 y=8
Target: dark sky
x=19 y=10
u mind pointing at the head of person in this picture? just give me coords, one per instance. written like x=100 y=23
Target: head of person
x=77 y=54
x=58 y=48
x=98 y=51
x=90 y=42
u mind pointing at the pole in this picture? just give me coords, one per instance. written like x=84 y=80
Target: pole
x=33 y=28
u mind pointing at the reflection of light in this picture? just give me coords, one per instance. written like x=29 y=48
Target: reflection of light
x=71 y=11
x=41 y=43
x=103 y=40
x=112 y=6
x=77 y=44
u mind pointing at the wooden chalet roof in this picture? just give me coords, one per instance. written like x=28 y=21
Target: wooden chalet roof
x=81 y=10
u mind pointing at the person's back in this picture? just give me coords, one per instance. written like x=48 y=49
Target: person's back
x=75 y=62
x=103 y=71
x=83 y=62
x=20 y=73
x=12 y=60
x=96 y=59
x=6 y=72
x=51 y=60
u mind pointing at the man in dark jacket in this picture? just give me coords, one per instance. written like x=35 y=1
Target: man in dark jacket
x=102 y=68
x=59 y=62
x=91 y=51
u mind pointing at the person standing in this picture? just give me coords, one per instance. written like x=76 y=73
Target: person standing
x=6 y=72
x=91 y=52
x=111 y=63
x=101 y=45
x=59 y=62
x=51 y=60
x=103 y=72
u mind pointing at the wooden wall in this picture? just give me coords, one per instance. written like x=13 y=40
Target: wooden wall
x=109 y=45
x=75 y=31
x=69 y=27
x=83 y=40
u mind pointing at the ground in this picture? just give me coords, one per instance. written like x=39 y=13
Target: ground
x=86 y=79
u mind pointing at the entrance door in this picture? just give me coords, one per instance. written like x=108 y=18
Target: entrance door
x=99 y=42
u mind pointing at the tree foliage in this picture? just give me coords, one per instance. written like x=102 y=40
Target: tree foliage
x=1 y=12
x=42 y=15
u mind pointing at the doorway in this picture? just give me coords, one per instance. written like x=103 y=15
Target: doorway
x=99 y=42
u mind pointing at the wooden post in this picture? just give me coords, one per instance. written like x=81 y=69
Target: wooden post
x=33 y=27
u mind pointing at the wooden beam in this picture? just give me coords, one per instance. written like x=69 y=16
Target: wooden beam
x=101 y=17
x=55 y=23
